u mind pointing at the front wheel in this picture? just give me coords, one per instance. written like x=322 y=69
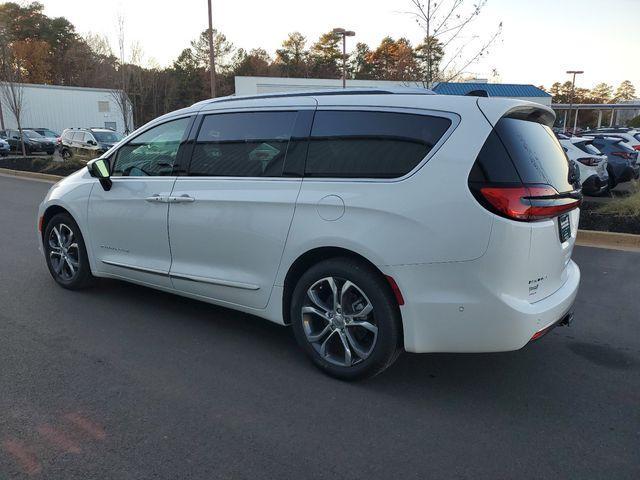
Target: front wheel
x=346 y=319
x=66 y=254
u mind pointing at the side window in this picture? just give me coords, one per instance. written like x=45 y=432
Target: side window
x=247 y=144
x=153 y=153
x=352 y=144
x=77 y=136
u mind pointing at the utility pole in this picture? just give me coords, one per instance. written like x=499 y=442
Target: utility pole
x=212 y=56
x=344 y=34
x=573 y=89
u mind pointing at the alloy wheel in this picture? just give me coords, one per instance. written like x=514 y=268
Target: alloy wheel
x=64 y=253
x=338 y=321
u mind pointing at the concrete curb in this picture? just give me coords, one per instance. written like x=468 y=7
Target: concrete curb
x=31 y=175
x=586 y=238
x=610 y=240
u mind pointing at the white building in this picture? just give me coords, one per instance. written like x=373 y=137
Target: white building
x=57 y=107
x=257 y=85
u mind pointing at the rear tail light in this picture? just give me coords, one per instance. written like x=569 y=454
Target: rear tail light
x=529 y=203
x=589 y=161
x=625 y=155
x=636 y=147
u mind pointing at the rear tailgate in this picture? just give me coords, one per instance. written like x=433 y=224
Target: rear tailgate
x=541 y=162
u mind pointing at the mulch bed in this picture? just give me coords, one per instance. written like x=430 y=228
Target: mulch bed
x=42 y=165
x=590 y=219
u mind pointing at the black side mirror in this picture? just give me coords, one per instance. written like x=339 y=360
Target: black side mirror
x=92 y=142
x=99 y=168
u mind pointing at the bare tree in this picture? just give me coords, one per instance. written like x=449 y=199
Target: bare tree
x=12 y=89
x=120 y=95
x=449 y=46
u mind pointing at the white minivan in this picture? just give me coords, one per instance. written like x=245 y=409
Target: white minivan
x=371 y=221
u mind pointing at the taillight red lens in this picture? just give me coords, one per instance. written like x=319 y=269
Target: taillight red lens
x=625 y=155
x=528 y=203
x=589 y=161
x=636 y=147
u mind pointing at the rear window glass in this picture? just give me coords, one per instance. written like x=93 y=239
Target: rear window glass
x=353 y=144
x=637 y=136
x=587 y=147
x=536 y=153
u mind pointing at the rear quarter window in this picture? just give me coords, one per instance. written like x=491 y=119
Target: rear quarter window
x=359 y=144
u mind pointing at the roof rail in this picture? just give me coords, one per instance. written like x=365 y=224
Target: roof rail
x=327 y=91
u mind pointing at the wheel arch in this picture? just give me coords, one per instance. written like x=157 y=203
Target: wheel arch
x=50 y=212
x=312 y=257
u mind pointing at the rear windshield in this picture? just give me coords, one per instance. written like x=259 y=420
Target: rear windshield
x=637 y=136
x=536 y=153
x=522 y=151
x=587 y=147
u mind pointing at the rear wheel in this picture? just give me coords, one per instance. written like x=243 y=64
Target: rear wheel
x=612 y=179
x=65 y=153
x=346 y=319
x=66 y=254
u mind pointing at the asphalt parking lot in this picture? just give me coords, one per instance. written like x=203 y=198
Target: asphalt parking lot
x=123 y=382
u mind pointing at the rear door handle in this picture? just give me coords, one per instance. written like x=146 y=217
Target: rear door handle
x=182 y=199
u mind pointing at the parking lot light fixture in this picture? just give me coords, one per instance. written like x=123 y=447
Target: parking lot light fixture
x=573 y=89
x=344 y=34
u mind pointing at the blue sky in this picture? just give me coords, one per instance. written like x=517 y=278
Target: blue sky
x=541 y=39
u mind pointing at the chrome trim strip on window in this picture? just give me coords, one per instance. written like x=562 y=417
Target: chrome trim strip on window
x=135 y=267
x=215 y=281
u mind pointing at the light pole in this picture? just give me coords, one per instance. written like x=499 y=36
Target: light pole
x=573 y=88
x=344 y=34
x=212 y=57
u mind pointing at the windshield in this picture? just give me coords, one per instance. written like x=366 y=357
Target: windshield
x=107 y=137
x=32 y=134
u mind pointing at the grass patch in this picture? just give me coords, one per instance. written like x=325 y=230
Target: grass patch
x=628 y=206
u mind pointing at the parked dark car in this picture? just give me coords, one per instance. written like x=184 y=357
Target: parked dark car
x=90 y=142
x=33 y=141
x=45 y=132
x=622 y=159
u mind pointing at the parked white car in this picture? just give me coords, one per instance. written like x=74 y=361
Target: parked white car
x=591 y=163
x=370 y=220
x=4 y=148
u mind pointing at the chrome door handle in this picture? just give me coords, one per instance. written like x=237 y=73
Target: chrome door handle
x=182 y=199
x=156 y=198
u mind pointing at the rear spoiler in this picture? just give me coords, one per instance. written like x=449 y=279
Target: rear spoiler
x=496 y=108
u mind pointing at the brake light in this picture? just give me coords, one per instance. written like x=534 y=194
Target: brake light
x=589 y=161
x=625 y=155
x=636 y=147
x=528 y=203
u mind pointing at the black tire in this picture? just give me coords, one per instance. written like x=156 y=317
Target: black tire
x=66 y=153
x=367 y=285
x=69 y=266
x=612 y=179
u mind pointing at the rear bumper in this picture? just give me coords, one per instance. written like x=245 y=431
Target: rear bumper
x=447 y=310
